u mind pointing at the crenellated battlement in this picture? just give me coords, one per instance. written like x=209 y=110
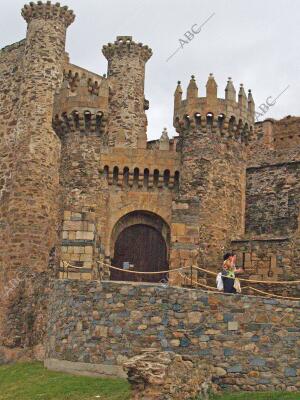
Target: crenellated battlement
x=222 y=126
x=76 y=77
x=81 y=90
x=229 y=117
x=144 y=178
x=87 y=122
x=48 y=11
x=125 y=45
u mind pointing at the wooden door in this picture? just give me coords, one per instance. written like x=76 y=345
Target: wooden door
x=145 y=248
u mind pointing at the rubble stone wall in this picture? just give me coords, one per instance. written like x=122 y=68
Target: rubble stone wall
x=11 y=59
x=213 y=173
x=32 y=191
x=253 y=341
x=272 y=199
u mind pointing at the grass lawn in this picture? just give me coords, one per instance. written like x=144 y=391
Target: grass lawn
x=30 y=381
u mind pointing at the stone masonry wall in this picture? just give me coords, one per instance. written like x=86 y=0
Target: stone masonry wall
x=272 y=199
x=31 y=214
x=85 y=199
x=270 y=246
x=269 y=259
x=127 y=121
x=11 y=59
x=253 y=341
x=213 y=173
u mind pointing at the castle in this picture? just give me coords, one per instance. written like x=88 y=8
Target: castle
x=80 y=184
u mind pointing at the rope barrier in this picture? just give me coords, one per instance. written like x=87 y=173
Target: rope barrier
x=142 y=272
x=194 y=267
x=272 y=295
x=211 y=288
x=251 y=280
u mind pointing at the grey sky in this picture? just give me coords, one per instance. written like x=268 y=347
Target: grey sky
x=255 y=42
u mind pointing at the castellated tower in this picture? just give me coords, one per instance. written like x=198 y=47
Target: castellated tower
x=32 y=212
x=213 y=135
x=127 y=122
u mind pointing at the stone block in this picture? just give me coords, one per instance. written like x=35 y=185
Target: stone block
x=88 y=235
x=91 y=227
x=78 y=249
x=218 y=371
x=72 y=225
x=233 y=325
x=178 y=229
x=235 y=369
x=76 y=216
x=101 y=331
x=67 y=215
x=194 y=317
x=88 y=249
x=86 y=257
x=257 y=362
x=290 y=372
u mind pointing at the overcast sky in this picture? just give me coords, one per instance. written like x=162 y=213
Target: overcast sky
x=255 y=42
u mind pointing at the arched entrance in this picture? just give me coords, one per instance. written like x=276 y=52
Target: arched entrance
x=140 y=239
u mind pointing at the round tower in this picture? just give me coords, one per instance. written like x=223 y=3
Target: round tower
x=33 y=205
x=213 y=133
x=127 y=121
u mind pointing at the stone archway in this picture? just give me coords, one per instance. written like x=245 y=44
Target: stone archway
x=142 y=239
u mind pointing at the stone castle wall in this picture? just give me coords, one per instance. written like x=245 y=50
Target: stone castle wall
x=101 y=185
x=32 y=200
x=269 y=249
x=272 y=199
x=213 y=173
x=253 y=341
x=11 y=60
x=85 y=199
x=75 y=168
x=286 y=133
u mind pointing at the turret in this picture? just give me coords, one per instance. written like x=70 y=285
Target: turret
x=214 y=134
x=33 y=216
x=127 y=122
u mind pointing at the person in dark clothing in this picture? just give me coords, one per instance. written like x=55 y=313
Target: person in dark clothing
x=228 y=272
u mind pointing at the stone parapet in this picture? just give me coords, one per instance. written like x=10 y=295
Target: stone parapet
x=48 y=11
x=125 y=45
x=250 y=341
x=227 y=114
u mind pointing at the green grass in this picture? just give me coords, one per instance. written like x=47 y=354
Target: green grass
x=30 y=381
